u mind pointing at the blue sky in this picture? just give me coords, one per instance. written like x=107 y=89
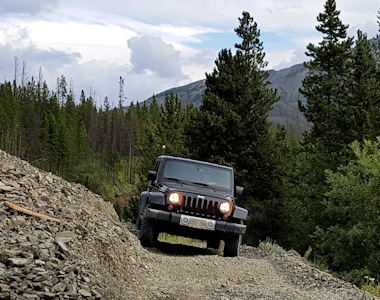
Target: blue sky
x=154 y=45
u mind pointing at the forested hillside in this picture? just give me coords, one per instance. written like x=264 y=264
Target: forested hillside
x=317 y=193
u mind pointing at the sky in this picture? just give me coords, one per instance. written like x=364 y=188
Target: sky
x=153 y=45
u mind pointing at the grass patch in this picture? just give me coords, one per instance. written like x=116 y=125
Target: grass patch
x=370 y=286
x=375 y=290
x=174 y=239
x=270 y=246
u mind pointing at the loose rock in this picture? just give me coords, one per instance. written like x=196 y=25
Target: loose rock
x=40 y=259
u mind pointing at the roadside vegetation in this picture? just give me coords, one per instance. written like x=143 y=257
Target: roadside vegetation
x=317 y=194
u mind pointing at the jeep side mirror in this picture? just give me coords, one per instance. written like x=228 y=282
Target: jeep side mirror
x=152 y=175
x=239 y=190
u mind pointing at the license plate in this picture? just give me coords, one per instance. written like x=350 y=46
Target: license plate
x=198 y=223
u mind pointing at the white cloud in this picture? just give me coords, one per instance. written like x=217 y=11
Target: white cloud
x=155 y=45
x=52 y=63
x=285 y=60
x=14 y=34
x=29 y=7
x=93 y=41
x=370 y=27
x=151 y=53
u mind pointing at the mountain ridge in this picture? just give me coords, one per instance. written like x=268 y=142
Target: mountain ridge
x=285 y=112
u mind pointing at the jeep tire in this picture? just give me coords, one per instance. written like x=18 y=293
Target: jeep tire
x=148 y=232
x=213 y=243
x=232 y=246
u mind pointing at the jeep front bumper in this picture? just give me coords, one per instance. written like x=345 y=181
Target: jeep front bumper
x=221 y=227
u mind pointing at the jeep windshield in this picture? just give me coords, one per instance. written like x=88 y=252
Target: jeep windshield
x=205 y=175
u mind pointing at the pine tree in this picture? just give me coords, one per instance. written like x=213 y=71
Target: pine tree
x=346 y=238
x=232 y=126
x=61 y=90
x=131 y=123
x=363 y=107
x=11 y=127
x=32 y=115
x=326 y=88
x=172 y=126
x=49 y=141
x=331 y=107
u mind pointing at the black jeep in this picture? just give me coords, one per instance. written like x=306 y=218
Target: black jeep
x=193 y=199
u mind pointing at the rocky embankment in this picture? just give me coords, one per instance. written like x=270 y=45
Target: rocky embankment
x=60 y=241
x=88 y=254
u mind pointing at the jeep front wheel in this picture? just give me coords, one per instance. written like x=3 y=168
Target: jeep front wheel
x=232 y=246
x=213 y=243
x=148 y=233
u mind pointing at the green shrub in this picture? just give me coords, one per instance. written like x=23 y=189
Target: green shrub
x=128 y=212
x=308 y=252
x=350 y=243
x=270 y=246
x=370 y=286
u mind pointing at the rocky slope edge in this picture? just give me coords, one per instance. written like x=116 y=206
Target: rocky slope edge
x=86 y=253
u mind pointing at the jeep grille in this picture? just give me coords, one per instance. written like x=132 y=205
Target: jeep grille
x=199 y=206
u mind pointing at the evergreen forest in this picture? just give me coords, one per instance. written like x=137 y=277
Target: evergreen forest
x=318 y=194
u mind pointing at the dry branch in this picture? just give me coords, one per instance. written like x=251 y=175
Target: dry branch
x=29 y=212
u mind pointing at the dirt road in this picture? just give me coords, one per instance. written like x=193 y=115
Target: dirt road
x=186 y=272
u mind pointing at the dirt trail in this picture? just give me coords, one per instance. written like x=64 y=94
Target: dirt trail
x=185 y=272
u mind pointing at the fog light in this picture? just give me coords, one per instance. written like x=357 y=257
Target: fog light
x=170 y=207
x=225 y=217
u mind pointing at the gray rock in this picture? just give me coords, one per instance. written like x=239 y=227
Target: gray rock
x=59 y=287
x=64 y=248
x=18 y=261
x=11 y=252
x=84 y=293
x=65 y=236
x=18 y=221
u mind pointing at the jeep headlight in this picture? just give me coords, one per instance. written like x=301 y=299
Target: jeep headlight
x=225 y=207
x=174 y=198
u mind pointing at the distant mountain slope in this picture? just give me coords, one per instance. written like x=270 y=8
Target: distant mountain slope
x=285 y=112
x=190 y=93
x=288 y=81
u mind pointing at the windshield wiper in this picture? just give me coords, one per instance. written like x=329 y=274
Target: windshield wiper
x=175 y=179
x=204 y=184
